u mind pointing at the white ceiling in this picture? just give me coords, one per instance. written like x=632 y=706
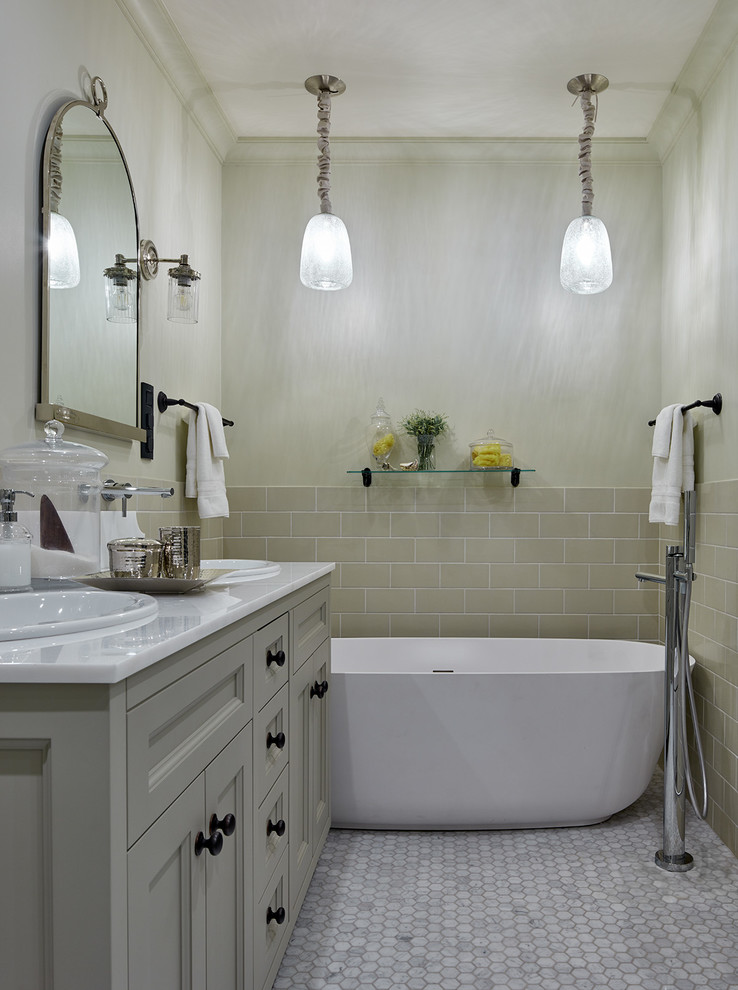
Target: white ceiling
x=430 y=68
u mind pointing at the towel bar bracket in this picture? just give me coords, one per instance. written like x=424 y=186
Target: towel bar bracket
x=147 y=420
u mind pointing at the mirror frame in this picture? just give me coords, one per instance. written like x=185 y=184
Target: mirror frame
x=45 y=408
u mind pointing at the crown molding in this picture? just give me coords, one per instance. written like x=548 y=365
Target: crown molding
x=153 y=25
x=433 y=151
x=713 y=48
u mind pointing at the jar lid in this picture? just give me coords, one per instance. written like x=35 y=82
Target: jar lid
x=52 y=451
x=490 y=438
x=380 y=415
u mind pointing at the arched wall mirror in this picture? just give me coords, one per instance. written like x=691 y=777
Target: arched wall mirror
x=89 y=362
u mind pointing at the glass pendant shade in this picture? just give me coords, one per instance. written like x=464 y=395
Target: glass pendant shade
x=325 y=262
x=63 y=254
x=586 y=261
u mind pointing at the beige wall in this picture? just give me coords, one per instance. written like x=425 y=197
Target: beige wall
x=46 y=50
x=455 y=306
x=700 y=357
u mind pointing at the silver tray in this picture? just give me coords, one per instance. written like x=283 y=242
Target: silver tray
x=149 y=585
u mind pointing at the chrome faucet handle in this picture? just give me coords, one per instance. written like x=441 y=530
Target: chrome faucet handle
x=656 y=578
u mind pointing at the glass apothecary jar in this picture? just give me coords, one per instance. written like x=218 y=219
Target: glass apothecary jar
x=381 y=436
x=490 y=453
x=64 y=515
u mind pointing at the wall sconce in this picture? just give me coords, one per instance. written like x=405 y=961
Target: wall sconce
x=325 y=261
x=62 y=247
x=120 y=295
x=586 y=261
x=184 y=283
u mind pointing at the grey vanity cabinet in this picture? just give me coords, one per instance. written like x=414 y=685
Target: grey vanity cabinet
x=105 y=787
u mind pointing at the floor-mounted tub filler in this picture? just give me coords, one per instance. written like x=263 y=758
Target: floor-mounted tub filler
x=677 y=581
x=492 y=733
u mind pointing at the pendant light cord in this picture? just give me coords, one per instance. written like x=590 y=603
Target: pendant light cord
x=324 y=151
x=585 y=151
x=55 y=170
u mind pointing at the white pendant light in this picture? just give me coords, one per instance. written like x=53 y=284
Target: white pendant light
x=325 y=261
x=586 y=260
x=62 y=253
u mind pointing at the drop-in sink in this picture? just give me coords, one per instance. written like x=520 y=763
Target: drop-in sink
x=29 y=614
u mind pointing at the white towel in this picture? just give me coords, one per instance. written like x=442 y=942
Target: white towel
x=206 y=451
x=688 y=453
x=673 y=463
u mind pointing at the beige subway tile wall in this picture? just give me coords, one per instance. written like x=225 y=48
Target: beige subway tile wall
x=713 y=642
x=481 y=559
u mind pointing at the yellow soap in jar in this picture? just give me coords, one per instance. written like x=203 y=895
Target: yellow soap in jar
x=384 y=445
x=490 y=453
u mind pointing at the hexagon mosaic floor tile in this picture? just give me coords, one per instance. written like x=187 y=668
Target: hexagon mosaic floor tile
x=579 y=908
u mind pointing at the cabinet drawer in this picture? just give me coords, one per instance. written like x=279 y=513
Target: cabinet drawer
x=173 y=735
x=271 y=660
x=270 y=756
x=271 y=818
x=311 y=626
x=270 y=931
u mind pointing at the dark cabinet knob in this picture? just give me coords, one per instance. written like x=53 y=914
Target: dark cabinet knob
x=213 y=844
x=279 y=915
x=279 y=740
x=280 y=828
x=227 y=824
x=279 y=658
x=318 y=690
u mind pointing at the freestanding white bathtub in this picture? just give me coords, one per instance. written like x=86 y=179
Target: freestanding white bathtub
x=491 y=733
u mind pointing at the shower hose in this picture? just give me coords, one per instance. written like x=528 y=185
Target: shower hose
x=684 y=685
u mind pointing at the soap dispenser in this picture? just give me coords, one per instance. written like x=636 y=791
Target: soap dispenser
x=15 y=545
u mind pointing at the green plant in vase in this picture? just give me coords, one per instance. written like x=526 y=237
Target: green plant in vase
x=426 y=428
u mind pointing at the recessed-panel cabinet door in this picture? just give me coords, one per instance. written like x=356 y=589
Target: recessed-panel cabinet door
x=229 y=874
x=166 y=899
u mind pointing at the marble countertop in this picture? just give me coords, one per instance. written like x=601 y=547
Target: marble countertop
x=110 y=655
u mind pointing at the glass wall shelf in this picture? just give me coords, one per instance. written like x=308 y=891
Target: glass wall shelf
x=514 y=472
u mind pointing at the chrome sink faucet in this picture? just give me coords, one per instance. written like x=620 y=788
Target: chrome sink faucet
x=124 y=490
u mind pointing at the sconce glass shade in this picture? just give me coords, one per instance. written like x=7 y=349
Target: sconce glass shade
x=120 y=292
x=325 y=262
x=184 y=293
x=62 y=252
x=586 y=261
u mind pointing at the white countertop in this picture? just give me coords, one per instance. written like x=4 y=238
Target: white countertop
x=110 y=655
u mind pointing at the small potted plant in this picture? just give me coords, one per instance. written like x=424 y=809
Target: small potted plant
x=425 y=427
